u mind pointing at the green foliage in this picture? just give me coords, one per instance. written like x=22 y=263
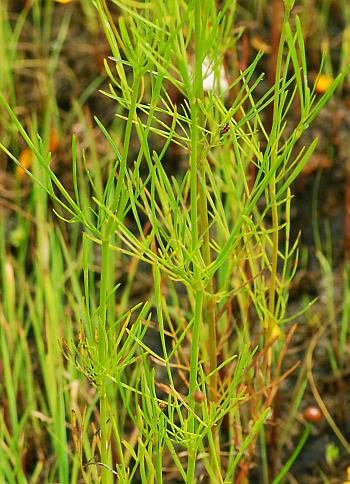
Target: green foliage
x=185 y=378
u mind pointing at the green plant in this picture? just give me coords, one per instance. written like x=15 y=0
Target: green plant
x=214 y=240
x=332 y=454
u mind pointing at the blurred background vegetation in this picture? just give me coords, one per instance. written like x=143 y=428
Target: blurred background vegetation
x=52 y=70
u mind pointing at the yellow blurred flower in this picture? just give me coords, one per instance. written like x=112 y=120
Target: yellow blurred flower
x=53 y=141
x=348 y=476
x=26 y=155
x=25 y=158
x=259 y=44
x=276 y=332
x=323 y=83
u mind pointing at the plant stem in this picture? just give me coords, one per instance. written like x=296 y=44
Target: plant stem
x=105 y=472
x=274 y=257
x=296 y=452
x=208 y=304
x=107 y=283
x=276 y=119
x=193 y=383
x=103 y=351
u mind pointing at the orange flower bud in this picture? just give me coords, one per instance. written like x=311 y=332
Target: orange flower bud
x=25 y=158
x=323 y=83
x=54 y=141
